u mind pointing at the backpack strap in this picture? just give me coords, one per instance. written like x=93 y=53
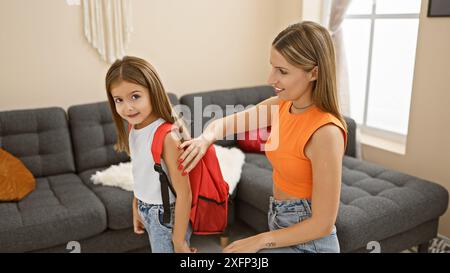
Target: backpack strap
x=157 y=147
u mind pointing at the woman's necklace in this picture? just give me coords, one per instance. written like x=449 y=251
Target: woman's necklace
x=301 y=108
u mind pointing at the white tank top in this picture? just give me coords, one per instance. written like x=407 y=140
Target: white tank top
x=147 y=187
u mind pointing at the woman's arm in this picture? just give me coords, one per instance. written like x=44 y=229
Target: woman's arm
x=184 y=195
x=259 y=116
x=325 y=149
x=229 y=125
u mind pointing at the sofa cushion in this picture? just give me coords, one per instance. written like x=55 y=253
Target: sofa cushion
x=222 y=98
x=40 y=138
x=59 y=210
x=255 y=187
x=116 y=201
x=94 y=135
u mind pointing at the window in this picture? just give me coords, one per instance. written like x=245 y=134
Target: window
x=380 y=38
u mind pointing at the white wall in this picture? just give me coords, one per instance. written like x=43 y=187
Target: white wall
x=195 y=45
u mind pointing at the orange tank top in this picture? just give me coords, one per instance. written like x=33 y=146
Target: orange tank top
x=292 y=171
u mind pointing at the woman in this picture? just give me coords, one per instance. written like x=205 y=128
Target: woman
x=311 y=139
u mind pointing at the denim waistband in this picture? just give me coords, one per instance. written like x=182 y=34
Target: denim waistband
x=297 y=205
x=147 y=205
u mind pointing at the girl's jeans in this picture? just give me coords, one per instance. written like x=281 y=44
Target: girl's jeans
x=160 y=234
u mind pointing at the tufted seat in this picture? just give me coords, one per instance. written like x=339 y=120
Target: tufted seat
x=377 y=203
x=57 y=205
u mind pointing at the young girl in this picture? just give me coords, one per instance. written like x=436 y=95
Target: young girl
x=307 y=163
x=136 y=95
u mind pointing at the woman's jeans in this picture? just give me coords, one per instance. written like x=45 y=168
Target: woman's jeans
x=160 y=234
x=285 y=213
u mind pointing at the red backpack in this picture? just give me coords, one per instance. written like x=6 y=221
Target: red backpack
x=209 y=209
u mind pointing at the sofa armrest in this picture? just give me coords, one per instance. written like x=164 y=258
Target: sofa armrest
x=351 y=137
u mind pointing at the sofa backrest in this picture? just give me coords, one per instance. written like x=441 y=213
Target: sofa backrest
x=238 y=96
x=94 y=135
x=351 y=137
x=40 y=138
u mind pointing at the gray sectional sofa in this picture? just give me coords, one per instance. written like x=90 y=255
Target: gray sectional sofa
x=63 y=150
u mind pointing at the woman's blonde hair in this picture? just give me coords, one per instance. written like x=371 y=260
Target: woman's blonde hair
x=307 y=45
x=137 y=71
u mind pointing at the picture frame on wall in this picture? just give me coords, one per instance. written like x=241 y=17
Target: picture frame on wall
x=438 y=8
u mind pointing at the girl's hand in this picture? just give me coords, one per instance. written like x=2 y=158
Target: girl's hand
x=195 y=149
x=139 y=227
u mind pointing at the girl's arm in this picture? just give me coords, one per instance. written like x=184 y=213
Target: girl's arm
x=259 y=116
x=183 y=189
x=326 y=149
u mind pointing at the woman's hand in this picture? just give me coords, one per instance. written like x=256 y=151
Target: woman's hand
x=195 y=149
x=183 y=248
x=248 y=245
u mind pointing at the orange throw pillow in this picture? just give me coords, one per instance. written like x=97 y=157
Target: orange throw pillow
x=16 y=181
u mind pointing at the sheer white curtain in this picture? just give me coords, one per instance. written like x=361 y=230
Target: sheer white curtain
x=333 y=16
x=107 y=26
x=337 y=10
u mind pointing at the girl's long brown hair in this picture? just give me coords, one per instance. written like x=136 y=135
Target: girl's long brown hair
x=306 y=45
x=137 y=71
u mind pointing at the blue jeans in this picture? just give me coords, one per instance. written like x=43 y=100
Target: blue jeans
x=285 y=213
x=160 y=234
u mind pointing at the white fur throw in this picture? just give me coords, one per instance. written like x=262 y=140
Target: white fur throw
x=230 y=161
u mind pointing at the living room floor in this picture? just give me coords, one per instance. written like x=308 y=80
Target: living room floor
x=211 y=243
